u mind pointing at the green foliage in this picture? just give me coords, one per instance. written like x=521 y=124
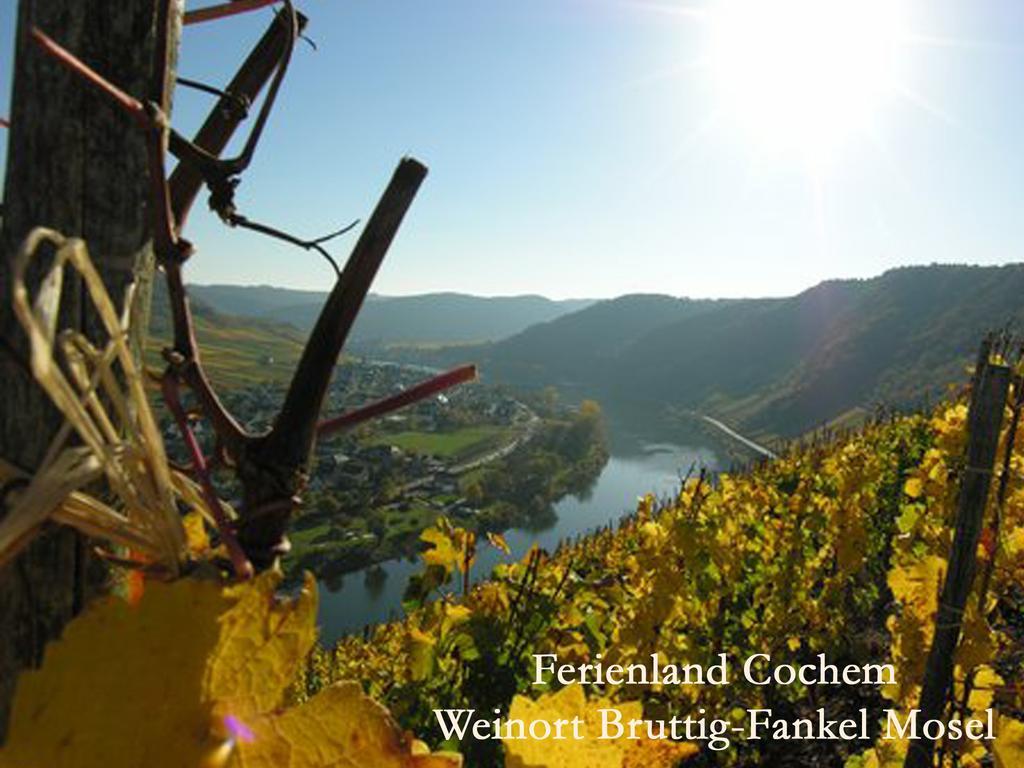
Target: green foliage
x=563 y=457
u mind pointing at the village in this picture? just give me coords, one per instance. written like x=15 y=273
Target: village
x=374 y=489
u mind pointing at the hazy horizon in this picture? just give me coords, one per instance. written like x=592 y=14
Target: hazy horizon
x=550 y=297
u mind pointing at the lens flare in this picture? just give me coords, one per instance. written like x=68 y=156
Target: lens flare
x=805 y=75
x=238 y=730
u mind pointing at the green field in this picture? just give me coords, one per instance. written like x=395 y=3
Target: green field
x=410 y=522
x=304 y=538
x=447 y=445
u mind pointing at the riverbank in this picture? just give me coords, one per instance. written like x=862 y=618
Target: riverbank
x=651 y=462
x=512 y=484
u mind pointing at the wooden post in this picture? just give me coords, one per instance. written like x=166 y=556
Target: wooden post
x=984 y=422
x=78 y=165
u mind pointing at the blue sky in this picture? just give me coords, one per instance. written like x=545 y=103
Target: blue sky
x=577 y=148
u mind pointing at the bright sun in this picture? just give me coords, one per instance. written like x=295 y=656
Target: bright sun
x=805 y=76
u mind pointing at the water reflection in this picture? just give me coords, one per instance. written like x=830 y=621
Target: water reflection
x=374 y=579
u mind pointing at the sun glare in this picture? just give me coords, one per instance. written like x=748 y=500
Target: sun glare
x=805 y=76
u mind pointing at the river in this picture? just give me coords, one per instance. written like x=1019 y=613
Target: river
x=636 y=466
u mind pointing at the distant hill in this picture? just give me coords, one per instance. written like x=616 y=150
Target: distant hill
x=236 y=351
x=586 y=346
x=429 y=319
x=253 y=300
x=772 y=366
x=764 y=366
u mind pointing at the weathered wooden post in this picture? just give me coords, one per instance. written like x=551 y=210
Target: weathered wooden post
x=984 y=422
x=79 y=166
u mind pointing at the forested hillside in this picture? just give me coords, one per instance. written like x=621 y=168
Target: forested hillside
x=772 y=366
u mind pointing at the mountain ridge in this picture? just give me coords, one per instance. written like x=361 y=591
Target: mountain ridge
x=444 y=317
x=773 y=367
x=770 y=367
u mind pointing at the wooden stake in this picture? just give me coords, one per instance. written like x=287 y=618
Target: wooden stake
x=984 y=422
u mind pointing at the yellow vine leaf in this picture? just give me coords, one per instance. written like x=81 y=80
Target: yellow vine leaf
x=195 y=534
x=888 y=755
x=850 y=548
x=590 y=751
x=986 y=681
x=340 y=726
x=124 y=683
x=498 y=542
x=442 y=552
x=194 y=674
x=1008 y=748
x=1014 y=547
x=918 y=585
x=422 y=652
x=263 y=642
x=647 y=753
